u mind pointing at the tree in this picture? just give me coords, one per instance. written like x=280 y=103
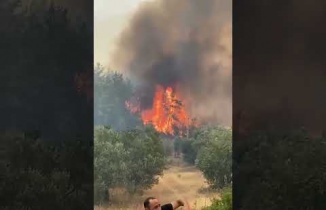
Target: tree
x=112 y=91
x=109 y=162
x=214 y=159
x=146 y=159
x=130 y=159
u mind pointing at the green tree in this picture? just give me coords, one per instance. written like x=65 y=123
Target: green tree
x=109 y=162
x=112 y=91
x=146 y=159
x=131 y=159
x=214 y=159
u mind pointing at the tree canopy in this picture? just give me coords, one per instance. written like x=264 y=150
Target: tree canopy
x=112 y=90
x=130 y=159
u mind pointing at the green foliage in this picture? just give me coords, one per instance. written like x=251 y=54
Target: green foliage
x=109 y=162
x=112 y=91
x=210 y=149
x=214 y=158
x=282 y=170
x=130 y=159
x=37 y=175
x=225 y=203
x=198 y=138
x=146 y=159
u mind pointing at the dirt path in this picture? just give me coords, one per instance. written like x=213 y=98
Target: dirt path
x=179 y=181
x=182 y=182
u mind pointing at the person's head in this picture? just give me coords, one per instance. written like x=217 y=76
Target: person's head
x=152 y=203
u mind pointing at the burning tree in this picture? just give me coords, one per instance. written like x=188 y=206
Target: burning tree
x=168 y=114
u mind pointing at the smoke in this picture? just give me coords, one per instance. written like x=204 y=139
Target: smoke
x=185 y=44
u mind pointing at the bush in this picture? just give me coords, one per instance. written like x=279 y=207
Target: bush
x=225 y=203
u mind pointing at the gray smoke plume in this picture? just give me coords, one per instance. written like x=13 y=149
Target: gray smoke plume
x=185 y=44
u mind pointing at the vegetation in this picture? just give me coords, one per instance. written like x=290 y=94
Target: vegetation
x=280 y=170
x=214 y=158
x=272 y=169
x=111 y=91
x=225 y=203
x=210 y=149
x=40 y=173
x=132 y=159
x=47 y=52
x=43 y=50
x=44 y=47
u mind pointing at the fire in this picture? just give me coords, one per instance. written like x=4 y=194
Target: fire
x=167 y=114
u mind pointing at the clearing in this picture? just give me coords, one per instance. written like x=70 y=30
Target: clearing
x=180 y=181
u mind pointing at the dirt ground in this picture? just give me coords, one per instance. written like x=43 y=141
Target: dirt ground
x=180 y=181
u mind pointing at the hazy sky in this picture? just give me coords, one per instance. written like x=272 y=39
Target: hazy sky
x=110 y=18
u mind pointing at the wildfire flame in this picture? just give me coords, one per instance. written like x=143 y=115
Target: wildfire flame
x=167 y=114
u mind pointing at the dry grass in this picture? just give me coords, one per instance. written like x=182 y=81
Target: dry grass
x=180 y=181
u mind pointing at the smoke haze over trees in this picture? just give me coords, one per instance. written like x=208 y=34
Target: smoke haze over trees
x=112 y=90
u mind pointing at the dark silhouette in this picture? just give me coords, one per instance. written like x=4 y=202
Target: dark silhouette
x=46 y=119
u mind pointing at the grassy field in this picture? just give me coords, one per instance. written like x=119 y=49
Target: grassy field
x=180 y=181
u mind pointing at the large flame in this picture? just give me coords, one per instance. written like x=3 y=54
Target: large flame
x=168 y=115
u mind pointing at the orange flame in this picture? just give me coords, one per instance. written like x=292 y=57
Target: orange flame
x=167 y=113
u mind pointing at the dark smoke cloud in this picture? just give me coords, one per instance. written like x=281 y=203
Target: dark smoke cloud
x=185 y=44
